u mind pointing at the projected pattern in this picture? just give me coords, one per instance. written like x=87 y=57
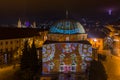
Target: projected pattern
x=48 y=52
x=65 y=57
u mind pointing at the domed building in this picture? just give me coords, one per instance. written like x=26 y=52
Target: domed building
x=71 y=30
x=66 y=48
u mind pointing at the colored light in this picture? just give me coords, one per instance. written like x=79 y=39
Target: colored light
x=110 y=11
x=27 y=24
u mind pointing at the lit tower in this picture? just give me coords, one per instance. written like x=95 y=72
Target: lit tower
x=19 y=25
x=110 y=12
x=34 y=24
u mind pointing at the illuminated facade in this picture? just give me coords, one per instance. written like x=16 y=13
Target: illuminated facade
x=66 y=49
x=97 y=43
x=26 y=24
x=113 y=39
x=12 y=42
x=96 y=37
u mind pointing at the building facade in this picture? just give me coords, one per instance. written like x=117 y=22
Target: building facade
x=12 y=42
x=66 y=48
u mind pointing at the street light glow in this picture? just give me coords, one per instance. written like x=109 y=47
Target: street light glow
x=95 y=40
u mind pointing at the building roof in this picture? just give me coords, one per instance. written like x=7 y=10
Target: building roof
x=82 y=41
x=13 y=33
x=67 y=27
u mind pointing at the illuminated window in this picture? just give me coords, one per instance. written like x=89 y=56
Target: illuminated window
x=62 y=57
x=73 y=67
x=62 y=68
x=51 y=65
x=83 y=38
x=11 y=48
x=83 y=66
x=6 y=49
x=62 y=64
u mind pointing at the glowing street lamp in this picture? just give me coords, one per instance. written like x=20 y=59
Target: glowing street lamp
x=95 y=40
x=95 y=49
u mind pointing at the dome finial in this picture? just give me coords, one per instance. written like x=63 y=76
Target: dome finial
x=66 y=14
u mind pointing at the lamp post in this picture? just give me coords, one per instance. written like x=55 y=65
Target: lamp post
x=95 y=41
x=95 y=49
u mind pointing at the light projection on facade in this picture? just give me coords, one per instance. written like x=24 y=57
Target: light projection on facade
x=66 y=49
x=48 y=52
x=65 y=57
x=67 y=27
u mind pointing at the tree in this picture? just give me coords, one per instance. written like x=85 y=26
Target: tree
x=34 y=59
x=97 y=71
x=29 y=62
x=24 y=62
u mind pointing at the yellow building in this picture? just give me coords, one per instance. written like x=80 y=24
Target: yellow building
x=114 y=38
x=96 y=38
x=97 y=43
x=12 y=41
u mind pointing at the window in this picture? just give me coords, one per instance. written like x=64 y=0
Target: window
x=17 y=41
x=51 y=65
x=11 y=42
x=83 y=38
x=6 y=49
x=1 y=43
x=73 y=68
x=1 y=50
x=6 y=42
x=62 y=67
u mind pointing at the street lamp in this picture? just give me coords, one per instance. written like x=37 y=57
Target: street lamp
x=95 y=48
x=95 y=40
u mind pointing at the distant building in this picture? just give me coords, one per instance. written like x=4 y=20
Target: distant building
x=26 y=24
x=113 y=39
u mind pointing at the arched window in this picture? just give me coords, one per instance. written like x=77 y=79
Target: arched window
x=51 y=65
x=73 y=67
x=62 y=64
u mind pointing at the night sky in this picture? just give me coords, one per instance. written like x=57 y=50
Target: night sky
x=45 y=10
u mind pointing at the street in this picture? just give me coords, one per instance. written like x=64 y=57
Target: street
x=7 y=73
x=112 y=66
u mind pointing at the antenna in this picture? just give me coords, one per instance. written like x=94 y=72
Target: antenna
x=66 y=14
